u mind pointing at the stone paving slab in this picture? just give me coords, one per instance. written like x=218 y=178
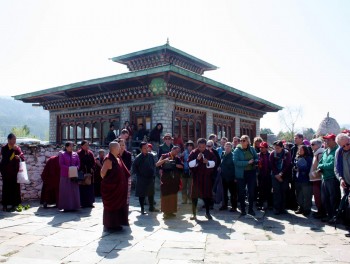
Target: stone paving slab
x=49 y=236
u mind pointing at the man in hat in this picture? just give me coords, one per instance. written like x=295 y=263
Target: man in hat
x=111 y=135
x=330 y=191
x=186 y=176
x=166 y=146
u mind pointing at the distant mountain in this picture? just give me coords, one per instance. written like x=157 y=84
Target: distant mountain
x=17 y=114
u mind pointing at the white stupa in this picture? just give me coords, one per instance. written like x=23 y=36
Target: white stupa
x=328 y=126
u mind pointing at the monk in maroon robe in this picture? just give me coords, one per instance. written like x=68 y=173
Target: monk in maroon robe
x=11 y=190
x=114 y=189
x=201 y=162
x=51 y=181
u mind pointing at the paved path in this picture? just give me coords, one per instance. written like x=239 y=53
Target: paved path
x=48 y=236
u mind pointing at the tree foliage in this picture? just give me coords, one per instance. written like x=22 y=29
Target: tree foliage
x=267 y=131
x=287 y=136
x=22 y=131
x=309 y=133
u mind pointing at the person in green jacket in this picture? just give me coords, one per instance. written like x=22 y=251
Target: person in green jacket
x=330 y=190
x=245 y=159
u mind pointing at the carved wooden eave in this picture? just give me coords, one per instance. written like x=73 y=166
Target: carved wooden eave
x=136 y=93
x=201 y=99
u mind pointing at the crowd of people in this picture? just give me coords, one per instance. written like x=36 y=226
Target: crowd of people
x=238 y=175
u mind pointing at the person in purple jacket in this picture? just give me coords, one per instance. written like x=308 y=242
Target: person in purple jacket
x=69 y=196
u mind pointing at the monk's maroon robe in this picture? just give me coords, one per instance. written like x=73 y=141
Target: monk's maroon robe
x=114 y=192
x=202 y=183
x=51 y=181
x=11 y=190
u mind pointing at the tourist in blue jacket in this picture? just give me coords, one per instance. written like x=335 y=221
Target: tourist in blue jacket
x=303 y=186
x=245 y=159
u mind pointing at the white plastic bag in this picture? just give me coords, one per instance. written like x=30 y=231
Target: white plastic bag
x=73 y=172
x=22 y=175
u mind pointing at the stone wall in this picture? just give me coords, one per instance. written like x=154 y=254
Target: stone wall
x=162 y=112
x=35 y=157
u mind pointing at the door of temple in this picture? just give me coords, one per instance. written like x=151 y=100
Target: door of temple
x=141 y=114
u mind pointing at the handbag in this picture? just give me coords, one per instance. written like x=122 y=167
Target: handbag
x=86 y=179
x=22 y=175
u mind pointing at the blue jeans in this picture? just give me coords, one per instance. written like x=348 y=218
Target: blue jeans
x=330 y=195
x=249 y=181
x=279 y=194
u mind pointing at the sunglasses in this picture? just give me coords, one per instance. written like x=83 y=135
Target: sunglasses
x=243 y=140
x=346 y=145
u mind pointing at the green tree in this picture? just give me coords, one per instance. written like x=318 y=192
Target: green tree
x=308 y=133
x=267 y=131
x=21 y=131
x=287 y=136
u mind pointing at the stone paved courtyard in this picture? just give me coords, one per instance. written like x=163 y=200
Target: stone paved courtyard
x=42 y=235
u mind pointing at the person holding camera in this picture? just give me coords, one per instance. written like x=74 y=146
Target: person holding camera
x=170 y=178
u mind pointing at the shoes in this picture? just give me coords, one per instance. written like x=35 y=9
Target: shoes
x=306 y=213
x=4 y=208
x=167 y=216
x=243 y=213
x=251 y=212
x=153 y=209
x=277 y=213
x=143 y=212
x=299 y=211
x=115 y=229
x=45 y=205
x=193 y=217
x=208 y=216
x=233 y=210
x=223 y=208
x=318 y=215
x=260 y=208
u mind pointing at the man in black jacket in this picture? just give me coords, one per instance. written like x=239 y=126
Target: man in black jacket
x=228 y=178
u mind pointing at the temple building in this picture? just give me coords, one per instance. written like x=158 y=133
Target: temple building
x=164 y=85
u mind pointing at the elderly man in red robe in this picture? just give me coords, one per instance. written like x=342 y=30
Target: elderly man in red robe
x=51 y=181
x=114 y=190
x=201 y=162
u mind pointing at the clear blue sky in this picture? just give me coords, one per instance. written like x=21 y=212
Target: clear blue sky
x=292 y=53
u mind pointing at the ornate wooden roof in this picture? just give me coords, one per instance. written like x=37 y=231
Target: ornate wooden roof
x=170 y=80
x=163 y=55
